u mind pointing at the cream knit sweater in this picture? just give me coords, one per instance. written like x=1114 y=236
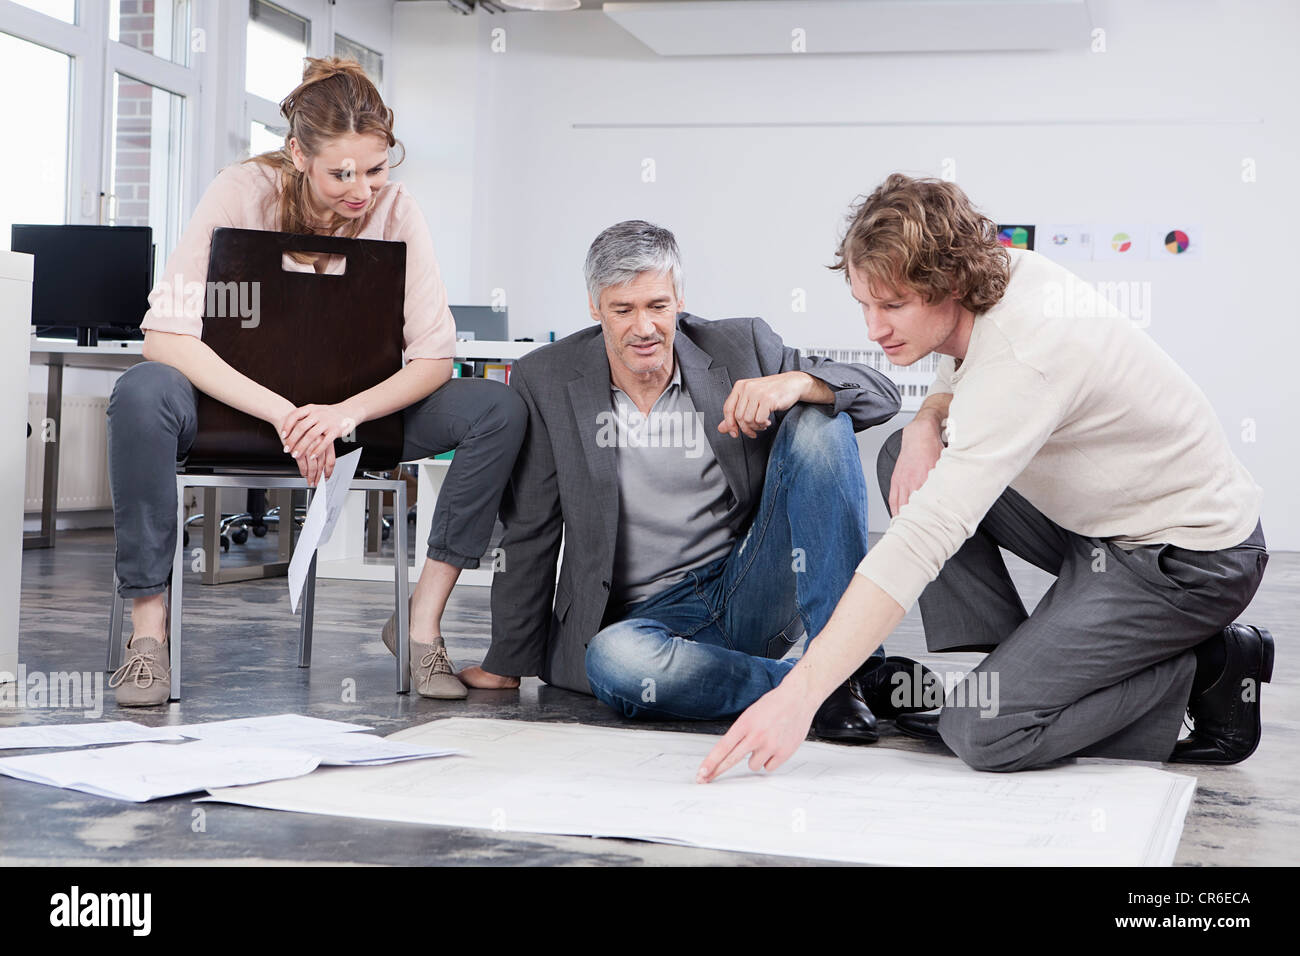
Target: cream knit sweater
x=1063 y=399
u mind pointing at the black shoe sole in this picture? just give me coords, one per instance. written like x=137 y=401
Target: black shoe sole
x=1266 y=665
x=916 y=733
x=845 y=738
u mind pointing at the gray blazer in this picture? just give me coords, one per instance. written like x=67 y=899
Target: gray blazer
x=565 y=482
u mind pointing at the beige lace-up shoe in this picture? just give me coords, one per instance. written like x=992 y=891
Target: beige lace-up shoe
x=145 y=679
x=431 y=672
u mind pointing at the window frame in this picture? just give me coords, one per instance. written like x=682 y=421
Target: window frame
x=318 y=13
x=217 y=109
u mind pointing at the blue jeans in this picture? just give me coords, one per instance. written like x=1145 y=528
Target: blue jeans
x=712 y=644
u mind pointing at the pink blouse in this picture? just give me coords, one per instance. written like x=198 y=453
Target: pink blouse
x=246 y=196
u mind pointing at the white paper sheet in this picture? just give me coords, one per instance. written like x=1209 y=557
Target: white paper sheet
x=342 y=750
x=82 y=735
x=140 y=772
x=331 y=741
x=849 y=804
x=274 y=725
x=322 y=515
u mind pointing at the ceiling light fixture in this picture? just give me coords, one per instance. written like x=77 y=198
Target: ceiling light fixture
x=547 y=5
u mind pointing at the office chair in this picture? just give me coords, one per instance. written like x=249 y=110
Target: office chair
x=318 y=338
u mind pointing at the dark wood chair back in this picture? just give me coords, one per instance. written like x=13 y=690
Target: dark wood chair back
x=311 y=337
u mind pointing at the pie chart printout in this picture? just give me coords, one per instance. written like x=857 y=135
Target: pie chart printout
x=1121 y=242
x=1176 y=241
x=1016 y=237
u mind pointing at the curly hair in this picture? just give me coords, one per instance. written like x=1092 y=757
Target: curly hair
x=924 y=235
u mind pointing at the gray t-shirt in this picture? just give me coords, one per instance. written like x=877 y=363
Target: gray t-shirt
x=672 y=492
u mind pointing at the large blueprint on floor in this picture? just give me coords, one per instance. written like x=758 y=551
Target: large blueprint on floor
x=850 y=804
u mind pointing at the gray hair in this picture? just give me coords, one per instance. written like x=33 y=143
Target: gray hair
x=627 y=249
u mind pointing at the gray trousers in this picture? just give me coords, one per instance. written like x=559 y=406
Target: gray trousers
x=1104 y=665
x=151 y=426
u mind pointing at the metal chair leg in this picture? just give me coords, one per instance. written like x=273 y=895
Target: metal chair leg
x=308 y=610
x=175 y=600
x=211 y=536
x=401 y=582
x=115 y=629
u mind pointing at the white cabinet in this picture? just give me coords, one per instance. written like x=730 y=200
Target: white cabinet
x=15 y=341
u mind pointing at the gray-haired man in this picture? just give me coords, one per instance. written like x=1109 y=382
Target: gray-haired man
x=707 y=485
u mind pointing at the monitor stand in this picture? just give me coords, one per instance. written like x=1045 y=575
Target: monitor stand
x=87 y=337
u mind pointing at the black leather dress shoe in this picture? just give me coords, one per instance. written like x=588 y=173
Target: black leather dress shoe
x=1225 y=716
x=920 y=726
x=844 y=717
x=898 y=685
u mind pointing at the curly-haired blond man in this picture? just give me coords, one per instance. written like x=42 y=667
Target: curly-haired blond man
x=1058 y=430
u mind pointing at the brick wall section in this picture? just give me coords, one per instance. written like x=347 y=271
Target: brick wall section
x=134 y=116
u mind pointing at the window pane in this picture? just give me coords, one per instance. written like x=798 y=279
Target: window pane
x=371 y=60
x=42 y=114
x=160 y=27
x=65 y=10
x=277 y=43
x=263 y=139
x=144 y=176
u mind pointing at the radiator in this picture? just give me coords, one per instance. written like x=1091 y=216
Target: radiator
x=83 y=454
x=913 y=381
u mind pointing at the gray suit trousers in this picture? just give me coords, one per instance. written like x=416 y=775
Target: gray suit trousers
x=1103 y=667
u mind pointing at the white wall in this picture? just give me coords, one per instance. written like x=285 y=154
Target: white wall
x=433 y=92
x=757 y=159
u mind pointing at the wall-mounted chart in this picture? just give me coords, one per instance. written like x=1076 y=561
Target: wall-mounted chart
x=1016 y=237
x=1068 y=242
x=1119 y=241
x=1181 y=241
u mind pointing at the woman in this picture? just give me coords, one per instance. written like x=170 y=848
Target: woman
x=330 y=178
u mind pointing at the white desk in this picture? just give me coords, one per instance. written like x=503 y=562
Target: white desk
x=59 y=354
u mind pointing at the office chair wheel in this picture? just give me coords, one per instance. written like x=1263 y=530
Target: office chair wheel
x=225 y=543
x=385 y=532
x=239 y=535
x=259 y=531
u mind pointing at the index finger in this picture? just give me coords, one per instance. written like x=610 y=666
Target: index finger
x=725 y=754
x=728 y=423
x=291 y=419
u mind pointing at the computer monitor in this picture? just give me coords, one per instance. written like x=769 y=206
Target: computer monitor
x=88 y=279
x=486 y=322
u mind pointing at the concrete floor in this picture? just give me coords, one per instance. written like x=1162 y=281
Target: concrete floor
x=240 y=660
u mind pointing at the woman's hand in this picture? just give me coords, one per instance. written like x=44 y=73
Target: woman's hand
x=309 y=432
x=771 y=730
